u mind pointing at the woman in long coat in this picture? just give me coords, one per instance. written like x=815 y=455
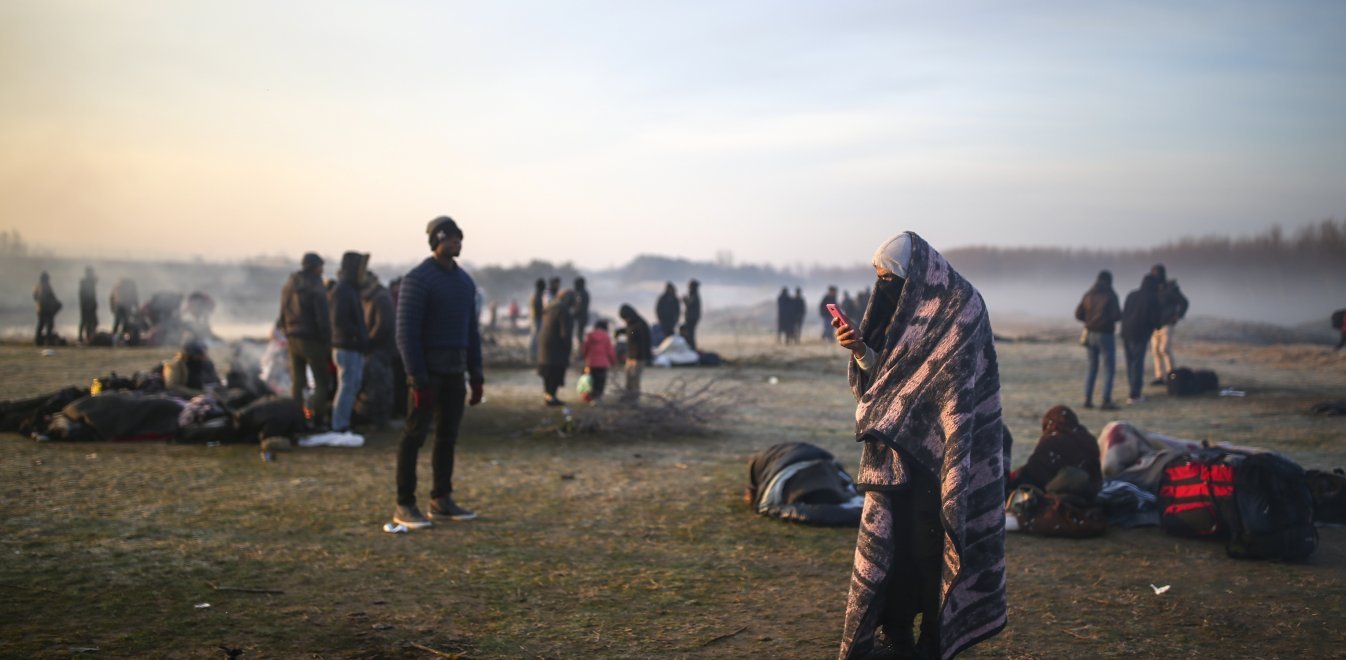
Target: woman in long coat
x=554 y=344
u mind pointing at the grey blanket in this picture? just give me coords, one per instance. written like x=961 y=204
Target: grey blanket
x=932 y=403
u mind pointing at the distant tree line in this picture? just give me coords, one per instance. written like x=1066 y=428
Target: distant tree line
x=1314 y=253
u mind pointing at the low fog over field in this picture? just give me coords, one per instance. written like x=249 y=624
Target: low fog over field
x=1267 y=279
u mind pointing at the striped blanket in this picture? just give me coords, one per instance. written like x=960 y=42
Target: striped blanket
x=932 y=403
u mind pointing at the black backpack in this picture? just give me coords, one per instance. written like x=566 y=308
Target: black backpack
x=1329 y=495
x=1188 y=382
x=1274 y=511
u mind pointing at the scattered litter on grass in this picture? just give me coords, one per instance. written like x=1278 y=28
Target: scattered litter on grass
x=1160 y=590
x=773 y=381
x=568 y=476
x=1229 y=391
x=84 y=649
x=48 y=352
x=202 y=606
x=92 y=457
x=383 y=626
x=394 y=528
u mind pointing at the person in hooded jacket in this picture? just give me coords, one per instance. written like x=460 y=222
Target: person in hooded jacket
x=350 y=337
x=1140 y=317
x=555 y=344
x=47 y=307
x=667 y=310
x=924 y=373
x=639 y=352
x=375 y=402
x=1065 y=460
x=1099 y=311
x=692 y=312
x=307 y=324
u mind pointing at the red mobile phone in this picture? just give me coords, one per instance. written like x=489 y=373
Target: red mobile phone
x=836 y=313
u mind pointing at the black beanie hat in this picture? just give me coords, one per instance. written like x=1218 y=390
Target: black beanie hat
x=310 y=260
x=441 y=228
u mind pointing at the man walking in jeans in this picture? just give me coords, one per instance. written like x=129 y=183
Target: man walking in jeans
x=438 y=338
x=1100 y=312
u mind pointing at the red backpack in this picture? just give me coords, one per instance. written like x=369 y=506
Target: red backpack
x=1196 y=495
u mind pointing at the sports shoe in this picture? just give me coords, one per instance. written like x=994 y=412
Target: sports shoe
x=1157 y=381
x=409 y=515
x=1088 y=404
x=553 y=401
x=1108 y=405
x=1135 y=399
x=445 y=509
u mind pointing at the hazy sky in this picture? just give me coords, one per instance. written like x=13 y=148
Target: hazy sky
x=780 y=132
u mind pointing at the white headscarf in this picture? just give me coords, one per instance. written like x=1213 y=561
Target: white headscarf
x=894 y=254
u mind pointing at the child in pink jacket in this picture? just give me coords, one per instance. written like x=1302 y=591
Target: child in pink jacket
x=598 y=357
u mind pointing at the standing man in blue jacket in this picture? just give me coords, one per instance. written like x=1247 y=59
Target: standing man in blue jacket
x=438 y=338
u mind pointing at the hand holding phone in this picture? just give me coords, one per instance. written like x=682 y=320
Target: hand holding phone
x=836 y=314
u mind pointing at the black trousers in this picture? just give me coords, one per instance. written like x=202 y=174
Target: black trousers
x=553 y=377
x=446 y=414
x=915 y=576
x=599 y=378
x=46 y=329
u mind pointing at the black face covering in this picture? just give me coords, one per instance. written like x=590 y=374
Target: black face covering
x=882 y=307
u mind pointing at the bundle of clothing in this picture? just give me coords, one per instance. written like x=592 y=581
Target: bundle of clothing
x=803 y=483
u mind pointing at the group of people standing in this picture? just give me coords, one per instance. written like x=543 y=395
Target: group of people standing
x=124 y=303
x=559 y=321
x=348 y=325
x=1148 y=318
x=790 y=311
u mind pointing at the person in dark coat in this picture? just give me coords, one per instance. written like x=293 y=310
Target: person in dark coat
x=581 y=311
x=784 y=316
x=1172 y=308
x=639 y=352
x=667 y=310
x=47 y=307
x=692 y=312
x=1065 y=460
x=535 y=307
x=554 y=345
x=375 y=402
x=307 y=324
x=553 y=288
x=830 y=298
x=439 y=338
x=1140 y=317
x=1099 y=311
x=125 y=304
x=350 y=337
x=800 y=308
x=88 y=306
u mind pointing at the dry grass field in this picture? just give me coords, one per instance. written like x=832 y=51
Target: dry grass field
x=612 y=546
